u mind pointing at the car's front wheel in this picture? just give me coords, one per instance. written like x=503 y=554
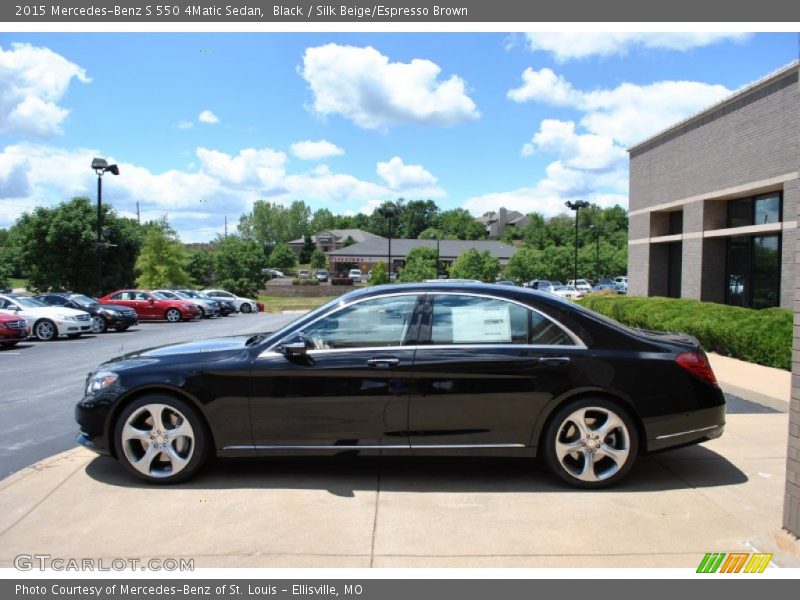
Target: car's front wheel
x=99 y=324
x=173 y=315
x=245 y=308
x=45 y=330
x=591 y=443
x=161 y=439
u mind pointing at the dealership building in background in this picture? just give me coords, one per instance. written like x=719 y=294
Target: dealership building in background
x=714 y=199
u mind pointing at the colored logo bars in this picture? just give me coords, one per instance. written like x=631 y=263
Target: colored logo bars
x=734 y=562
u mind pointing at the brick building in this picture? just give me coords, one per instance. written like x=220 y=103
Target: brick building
x=713 y=215
x=714 y=198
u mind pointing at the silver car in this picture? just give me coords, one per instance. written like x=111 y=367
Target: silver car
x=209 y=308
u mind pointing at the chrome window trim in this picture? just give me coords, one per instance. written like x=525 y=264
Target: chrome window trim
x=417 y=347
x=578 y=342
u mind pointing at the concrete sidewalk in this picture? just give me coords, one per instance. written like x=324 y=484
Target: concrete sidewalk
x=674 y=507
x=764 y=385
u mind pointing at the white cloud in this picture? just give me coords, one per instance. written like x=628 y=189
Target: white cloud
x=411 y=180
x=626 y=113
x=567 y=46
x=184 y=125
x=208 y=117
x=197 y=201
x=319 y=150
x=362 y=85
x=576 y=150
x=32 y=82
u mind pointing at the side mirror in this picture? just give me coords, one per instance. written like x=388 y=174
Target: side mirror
x=295 y=346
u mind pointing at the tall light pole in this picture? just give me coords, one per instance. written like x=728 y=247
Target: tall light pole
x=101 y=167
x=389 y=211
x=576 y=206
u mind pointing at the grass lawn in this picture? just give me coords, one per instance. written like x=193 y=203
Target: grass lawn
x=18 y=283
x=278 y=303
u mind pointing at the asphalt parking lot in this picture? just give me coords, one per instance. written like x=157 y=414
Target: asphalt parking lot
x=40 y=382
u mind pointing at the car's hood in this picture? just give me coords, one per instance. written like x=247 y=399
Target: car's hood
x=51 y=312
x=209 y=350
x=116 y=307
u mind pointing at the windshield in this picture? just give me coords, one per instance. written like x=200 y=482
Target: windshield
x=163 y=295
x=83 y=300
x=190 y=294
x=27 y=302
x=182 y=295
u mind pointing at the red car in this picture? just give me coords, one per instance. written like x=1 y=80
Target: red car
x=153 y=306
x=13 y=330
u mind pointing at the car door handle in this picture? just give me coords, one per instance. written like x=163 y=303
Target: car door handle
x=383 y=362
x=553 y=361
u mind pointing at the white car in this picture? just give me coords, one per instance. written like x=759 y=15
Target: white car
x=581 y=285
x=621 y=282
x=243 y=305
x=567 y=291
x=355 y=275
x=47 y=322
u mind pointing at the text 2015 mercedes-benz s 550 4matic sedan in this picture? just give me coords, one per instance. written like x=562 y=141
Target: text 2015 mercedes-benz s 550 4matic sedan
x=430 y=368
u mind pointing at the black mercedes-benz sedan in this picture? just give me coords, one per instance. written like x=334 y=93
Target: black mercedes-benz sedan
x=421 y=369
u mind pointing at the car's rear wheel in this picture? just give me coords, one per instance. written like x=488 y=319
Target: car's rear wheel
x=99 y=324
x=45 y=330
x=245 y=308
x=591 y=443
x=161 y=439
x=173 y=315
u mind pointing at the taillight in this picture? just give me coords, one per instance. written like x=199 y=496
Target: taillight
x=697 y=364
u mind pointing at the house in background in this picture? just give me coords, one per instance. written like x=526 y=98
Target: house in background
x=333 y=239
x=497 y=222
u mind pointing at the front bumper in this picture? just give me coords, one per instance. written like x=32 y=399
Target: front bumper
x=120 y=321
x=672 y=431
x=92 y=416
x=73 y=327
x=14 y=335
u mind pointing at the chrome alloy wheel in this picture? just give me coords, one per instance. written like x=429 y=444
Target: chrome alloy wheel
x=98 y=325
x=46 y=330
x=158 y=440
x=592 y=444
x=173 y=315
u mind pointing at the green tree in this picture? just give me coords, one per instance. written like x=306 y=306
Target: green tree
x=525 y=265
x=56 y=248
x=476 y=264
x=202 y=268
x=318 y=260
x=282 y=257
x=307 y=250
x=270 y=223
x=239 y=264
x=5 y=276
x=379 y=275
x=163 y=259
x=459 y=224
x=321 y=220
x=417 y=216
x=348 y=241
x=420 y=265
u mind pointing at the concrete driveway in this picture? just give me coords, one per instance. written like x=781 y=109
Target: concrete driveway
x=386 y=512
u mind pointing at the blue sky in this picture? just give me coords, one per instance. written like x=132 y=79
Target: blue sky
x=202 y=125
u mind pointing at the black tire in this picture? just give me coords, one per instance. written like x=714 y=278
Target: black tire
x=203 y=314
x=173 y=315
x=45 y=330
x=245 y=308
x=197 y=452
x=74 y=336
x=121 y=328
x=561 y=428
x=6 y=345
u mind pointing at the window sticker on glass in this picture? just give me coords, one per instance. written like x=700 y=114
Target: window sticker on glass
x=476 y=325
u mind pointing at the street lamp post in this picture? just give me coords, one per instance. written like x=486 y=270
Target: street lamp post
x=101 y=167
x=389 y=211
x=576 y=206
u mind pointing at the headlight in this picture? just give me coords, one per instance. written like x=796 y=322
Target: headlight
x=65 y=317
x=100 y=381
x=108 y=311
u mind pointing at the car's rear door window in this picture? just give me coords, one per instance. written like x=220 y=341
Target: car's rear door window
x=464 y=319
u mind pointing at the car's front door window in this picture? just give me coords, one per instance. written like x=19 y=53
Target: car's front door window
x=376 y=323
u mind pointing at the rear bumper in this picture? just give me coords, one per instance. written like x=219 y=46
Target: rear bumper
x=681 y=429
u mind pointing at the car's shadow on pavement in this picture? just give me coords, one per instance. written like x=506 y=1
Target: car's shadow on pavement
x=697 y=467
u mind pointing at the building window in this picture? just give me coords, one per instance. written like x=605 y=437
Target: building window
x=753 y=271
x=675 y=222
x=759 y=210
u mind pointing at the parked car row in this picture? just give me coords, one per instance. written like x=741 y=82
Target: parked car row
x=50 y=315
x=576 y=289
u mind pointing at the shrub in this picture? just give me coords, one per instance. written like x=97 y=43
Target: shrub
x=758 y=336
x=341 y=281
x=379 y=275
x=305 y=282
